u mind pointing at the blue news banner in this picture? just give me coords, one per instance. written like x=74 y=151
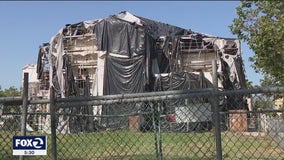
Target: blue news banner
x=29 y=145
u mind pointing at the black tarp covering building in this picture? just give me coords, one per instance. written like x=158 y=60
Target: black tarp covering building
x=126 y=42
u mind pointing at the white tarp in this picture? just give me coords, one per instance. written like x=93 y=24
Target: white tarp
x=193 y=113
x=126 y=16
x=57 y=50
x=97 y=88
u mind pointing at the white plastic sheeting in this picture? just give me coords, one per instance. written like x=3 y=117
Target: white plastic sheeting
x=126 y=16
x=193 y=113
x=98 y=85
x=57 y=50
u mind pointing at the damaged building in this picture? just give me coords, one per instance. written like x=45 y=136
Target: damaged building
x=125 y=53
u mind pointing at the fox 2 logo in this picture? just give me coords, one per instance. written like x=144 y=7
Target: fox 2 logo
x=29 y=142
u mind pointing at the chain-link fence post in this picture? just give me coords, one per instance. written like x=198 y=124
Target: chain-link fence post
x=216 y=111
x=159 y=131
x=53 y=123
x=25 y=97
x=155 y=130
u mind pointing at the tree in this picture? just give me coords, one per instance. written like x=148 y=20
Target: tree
x=268 y=81
x=261 y=25
x=249 y=84
x=10 y=92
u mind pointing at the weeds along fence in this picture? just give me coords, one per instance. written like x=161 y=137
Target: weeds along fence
x=193 y=124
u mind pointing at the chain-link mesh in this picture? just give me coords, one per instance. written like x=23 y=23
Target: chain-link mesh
x=169 y=126
x=10 y=125
x=256 y=132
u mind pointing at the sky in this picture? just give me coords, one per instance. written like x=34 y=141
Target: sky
x=25 y=25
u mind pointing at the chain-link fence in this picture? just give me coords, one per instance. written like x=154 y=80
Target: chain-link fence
x=11 y=114
x=158 y=125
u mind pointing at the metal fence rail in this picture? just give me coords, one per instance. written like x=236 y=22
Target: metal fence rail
x=158 y=125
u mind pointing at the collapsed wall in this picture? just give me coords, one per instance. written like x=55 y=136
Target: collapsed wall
x=125 y=53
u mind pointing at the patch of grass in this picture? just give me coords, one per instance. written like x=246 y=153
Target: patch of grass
x=124 y=144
